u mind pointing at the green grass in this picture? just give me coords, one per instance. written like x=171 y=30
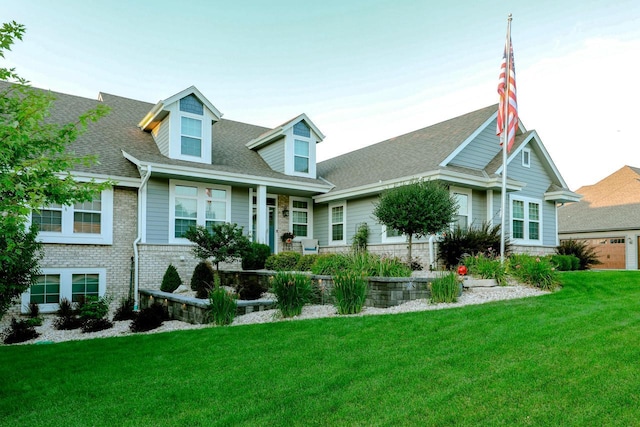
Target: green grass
x=569 y=358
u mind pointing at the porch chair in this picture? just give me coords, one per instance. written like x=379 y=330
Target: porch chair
x=309 y=246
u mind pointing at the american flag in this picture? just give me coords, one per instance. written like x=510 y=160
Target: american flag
x=507 y=90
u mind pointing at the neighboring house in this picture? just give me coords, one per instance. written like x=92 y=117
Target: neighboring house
x=608 y=218
x=179 y=163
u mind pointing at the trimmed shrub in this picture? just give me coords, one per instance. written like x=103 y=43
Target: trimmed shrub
x=534 y=271
x=19 y=331
x=223 y=304
x=202 y=279
x=171 y=280
x=126 y=310
x=350 y=291
x=293 y=291
x=581 y=250
x=469 y=241
x=94 y=308
x=306 y=261
x=250 y=289
x=149 y=318
x=284 y=261
x=67 y=318
x=34 y=315
x=93 y=314
x=445 y=288
x=256 y=257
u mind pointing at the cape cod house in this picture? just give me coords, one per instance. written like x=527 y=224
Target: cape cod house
x=178 y=163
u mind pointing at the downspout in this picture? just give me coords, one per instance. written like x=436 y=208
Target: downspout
x=136 y=273
x=432 y=257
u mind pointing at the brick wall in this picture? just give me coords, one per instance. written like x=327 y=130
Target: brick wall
x=115 y=258
x=154 y=260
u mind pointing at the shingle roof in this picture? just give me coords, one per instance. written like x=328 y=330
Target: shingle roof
x=119 y=132
x=611 y=204
x=406 y=155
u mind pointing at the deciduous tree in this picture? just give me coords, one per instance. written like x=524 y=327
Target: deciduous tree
x=416 y=209
x=35 y=169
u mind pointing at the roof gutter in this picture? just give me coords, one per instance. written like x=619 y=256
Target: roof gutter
x=136 y=279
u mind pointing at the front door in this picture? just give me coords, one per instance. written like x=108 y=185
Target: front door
x=271 y=226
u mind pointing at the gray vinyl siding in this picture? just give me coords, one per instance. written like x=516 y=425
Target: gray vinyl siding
x=479 y=152
x=157 y=211
x=273 y=154
x=240 y=208
x=538 y=181
x=361 y=211
x=161 y=136
x=321 y=224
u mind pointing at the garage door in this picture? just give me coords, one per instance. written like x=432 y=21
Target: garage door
x=611 y=252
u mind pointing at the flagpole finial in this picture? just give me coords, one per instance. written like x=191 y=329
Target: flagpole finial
x=510 y=17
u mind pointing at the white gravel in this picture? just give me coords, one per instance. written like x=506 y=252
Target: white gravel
x=469 y=296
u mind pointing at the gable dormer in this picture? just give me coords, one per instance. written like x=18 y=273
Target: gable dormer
x=181 y=126
x=291 y=147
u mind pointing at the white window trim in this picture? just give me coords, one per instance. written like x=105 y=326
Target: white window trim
x=526 y=240
x=393 y=239
x=201 y=120
x=309 y=211
x=66 y=275
x=175 y=133
x=526 y=151
x=289 y=163
x=469 y=193
x=201 y=205
x=344 y=224
x=67 y=235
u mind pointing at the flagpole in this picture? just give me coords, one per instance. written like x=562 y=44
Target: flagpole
x=505 y=141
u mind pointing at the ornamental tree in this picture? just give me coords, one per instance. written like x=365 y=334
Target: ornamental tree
x=222 y=241
x=34 y=170
x=417 y=209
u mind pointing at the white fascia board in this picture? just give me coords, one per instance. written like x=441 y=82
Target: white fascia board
x=265 y=138
x=562 y=196
x=194 y=90
x=280 y=131
x=467 y=141
x=150 y=116
x=545 y=154
x=231 y=177
x=98 y=177
x=457 y=177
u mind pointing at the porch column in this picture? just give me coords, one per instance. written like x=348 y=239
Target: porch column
x=261 y=215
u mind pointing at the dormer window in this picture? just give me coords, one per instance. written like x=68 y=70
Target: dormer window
x=190 y=127
x=181 y=126
x=302 y=140
x=190 y=137
x=301 y=156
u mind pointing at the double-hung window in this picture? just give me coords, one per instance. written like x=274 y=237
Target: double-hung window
x=88 y=222
x=337 y=228
x=463 y=216
x=194 y=204
x=301 y=148
x=301 y=217
x=526 y=218
x=191 y=115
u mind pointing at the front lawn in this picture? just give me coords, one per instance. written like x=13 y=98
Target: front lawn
x=569 y=358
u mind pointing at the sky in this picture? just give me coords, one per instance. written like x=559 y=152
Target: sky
x=362 y=70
